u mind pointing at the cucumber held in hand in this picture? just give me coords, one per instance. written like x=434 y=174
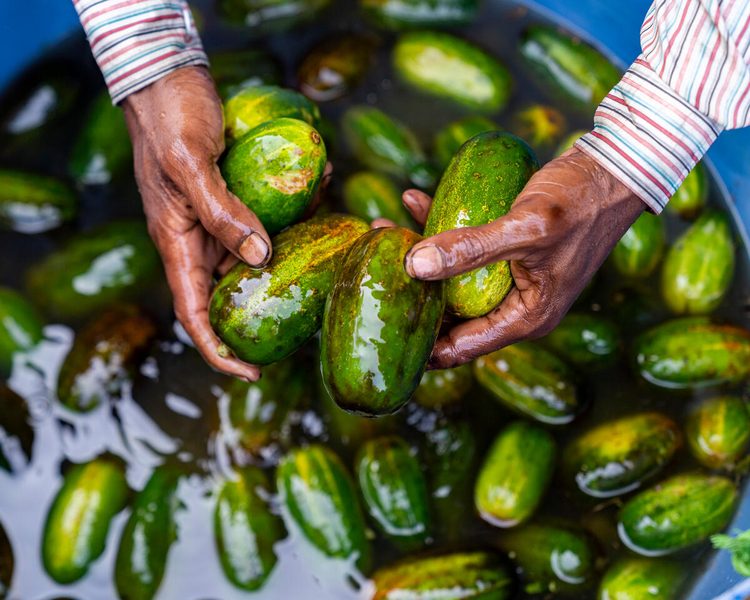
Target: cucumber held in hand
x=450 y=138
x=20 y=327
x=693 y=352
x=479 y=186
x=618 y=456
x=380 y=325
x=635 y=578
x=678 y=512
x=271 y=15
x=370 y=195
x=408 y=14
x=718 y=431
x=699 y=267
x=639 y=251
x=32 y=203
x=78 y=520
x=691 y=197
x=276 y=169
x=449 y=67
x=263 y=315
x=515 y=474
x=584 y=340
x=246 y=530
x=459 y=576
x=320 y=497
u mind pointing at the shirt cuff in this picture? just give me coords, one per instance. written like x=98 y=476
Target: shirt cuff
x=647 y=136
x=136 y=42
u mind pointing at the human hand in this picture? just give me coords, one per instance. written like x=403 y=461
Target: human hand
x=559 y=231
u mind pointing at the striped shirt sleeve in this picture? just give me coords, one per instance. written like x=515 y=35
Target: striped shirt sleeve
x=691 y=82
x=135 y=42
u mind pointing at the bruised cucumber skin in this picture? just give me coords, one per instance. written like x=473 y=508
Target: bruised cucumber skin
x=479 y=186
x=31 y=203
x=450 y=138
x=718 y=431
x=246 y=530
x=320 y=498
x=397 y=15
x=690 y=198
x=515 y=474
x=585 y=341
x=21 y=328
x=77 y=525
x=699 y=267
x=459 y=576
x=639 y=251
x=370 y=195
x=636 y=578
x=692 y=352
x=380 y=325
x=263 y=315
x=676 y=513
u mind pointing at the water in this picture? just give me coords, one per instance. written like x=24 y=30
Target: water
x=175 y=411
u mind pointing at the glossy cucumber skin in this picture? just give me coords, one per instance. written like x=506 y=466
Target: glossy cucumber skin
x=105 y=353
x=94 y=269
x=263 y=315
x=233 y=71
x=676 y=513
x=639 y=251
x=692 y=352
x=15 y=431
x=370 y=195
x=276 y=169
x=383 y=144
x=7 y=563
x=530 y=381
x=718 y=431
x=450 y=138
x=271 y=15
x=699 y=267
x=635 y=578
x=246 y=530
x=20 y=327
x=515 y=474
x=380 y=325
x=411 y=14
x=479 y=186
x=147 y=537
x=256 y=105
x=394 y=490
x=690 y=198
x=32 y=203
x=618 y=456
x=448 y=67
x=586 y=341
x=444 y=387
x=320 y=498
x=78 y=521
x=572 y=70
x=459 y=576
x=539 y=125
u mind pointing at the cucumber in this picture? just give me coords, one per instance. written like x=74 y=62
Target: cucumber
x=691 y=197
x=7 y=563
x=450 y=138
x=276 y=169
x=264 y=315
x=20 y=328
x=16 y=432
x=718 y=431
x=380 y=325
x=676 y=513
x=444 y=387
x=448 y=67
x=635 y=578
x=246 y=530
x=531 y=381
x=617 y=456
x=394 y=491
x=370 y=195
x=320 y=499
x=586 y=341
x=515 y=474
x=692 y=352
x=698 y=269
x=539 y=125
x=33 y=203
x=410 y=14
x=479 y=186
x=266 y=16
x=235 y=70
x=639 y=251
x=147 y=537
x=104 y=355
x=77 y=525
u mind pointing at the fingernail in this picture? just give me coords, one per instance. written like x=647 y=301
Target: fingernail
x=254 y=250
x=424 y=262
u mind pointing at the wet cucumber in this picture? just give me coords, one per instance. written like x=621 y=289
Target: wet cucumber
x=20 y=327
x=639 y=251
x=691 y=197
x=394 y=491
x=676 y=513
x=699 y=267
x=693 y=352
x=617 y=456
x=450 y=138
x=718 y=431
x=411 y=14
x=444 y=387
x=6 y=563
x=271 y=15
x=448 y=67
x=585 y=341
x=635 y=578
x=479 y=186
x=147 y=537
x=515 y=474
x=460 y=576
x=319 y=496
x=233 y=71
x=276 y=169
x=78 y=521
x=246 y=530
x=530 y=381
x=370 y=195
x=380 y=325
x=263 y=315
x=32 y=203
x=539 y=125
x=16 y=432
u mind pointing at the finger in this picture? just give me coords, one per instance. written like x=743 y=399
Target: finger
x=226 y=264
x=418 y=204
x=380 y=223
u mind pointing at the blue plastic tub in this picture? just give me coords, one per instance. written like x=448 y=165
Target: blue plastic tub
x=29 y=27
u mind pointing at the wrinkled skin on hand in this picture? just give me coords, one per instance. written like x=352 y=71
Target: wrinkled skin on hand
x=560 y=230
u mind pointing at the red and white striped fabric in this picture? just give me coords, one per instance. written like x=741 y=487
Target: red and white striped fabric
x=135 y=42
x=691 y=82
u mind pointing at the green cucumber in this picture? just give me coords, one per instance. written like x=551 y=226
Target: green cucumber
x=235 y=70
x=21 y=328
x=639 y=251
x=635 y=578
x=411 y=14
x=370 y=195
x=444 y=387
x=450 y=138
x=585 y=341
x=718 y=431
x=691 y=197
x=33 y=203
x=16 y=432
x=539 y=125
x=266 y=16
